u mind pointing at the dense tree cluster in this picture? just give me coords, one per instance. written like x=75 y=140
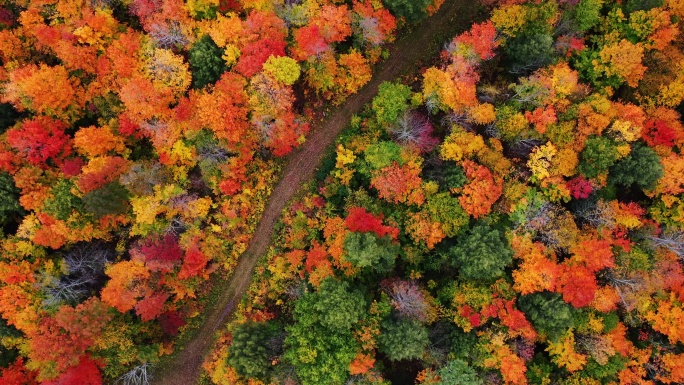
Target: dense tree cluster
x=539 y=240
x=139 y=141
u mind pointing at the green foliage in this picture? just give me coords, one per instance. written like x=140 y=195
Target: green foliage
x=457 y=372
x=391 y=102
x=454 y=176
x=598 y=155
x=641 y=167
x=381 y=154
x=529 y=51
x=366 y=250
x=249 y=351
x=547 y=312
x=411 y=10
x=336 y=307
x=482 y=254
x=111 y=199
x=610 y=321
x=206 y=62
x=606 y=373
x=403 y=339
x=62 y=202
x=445 y=209
x=9 y=198
x=641 y=5
x=586 y=14
x=7 y=355
x=539 y=370
x=320 y=344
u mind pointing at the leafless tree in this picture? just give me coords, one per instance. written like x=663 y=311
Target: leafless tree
x=671 y=240
x=140 y=375
x=408 y=300
x=85 y=265
x=168 y=35
x=414 y=129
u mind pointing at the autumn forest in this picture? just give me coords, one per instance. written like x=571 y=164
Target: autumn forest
x=506 y=210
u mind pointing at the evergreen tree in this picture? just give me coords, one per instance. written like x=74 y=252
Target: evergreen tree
x=206 y=62
x=403 y=339
x=482 y=254
x=548 y=313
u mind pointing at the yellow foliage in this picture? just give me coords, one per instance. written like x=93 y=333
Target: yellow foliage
x=198 y=8
x=625 y=130
x=482 y=113
x=460 y=145
x=509 y=19
x=564 y=354
x=541 y=160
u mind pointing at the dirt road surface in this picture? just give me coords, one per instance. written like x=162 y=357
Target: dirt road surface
x=407 y=55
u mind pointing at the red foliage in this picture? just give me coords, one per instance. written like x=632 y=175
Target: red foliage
x=108 y=172
x=255 y=54
x=362 y=221
x=165 y=249
x=194 y=262
x=129 y=128
x=481 y=38
x=72 y=167
x=87 y=372
x=285 y=134
x=170 y=322
x=658 y=133
x=579 y=187
x=309 y=42
x=40 y=140
x=578 y=285
x=151 y=306
x=17 y=374
x=317 y=256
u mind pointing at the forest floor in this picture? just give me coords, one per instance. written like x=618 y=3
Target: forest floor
x=414 y=50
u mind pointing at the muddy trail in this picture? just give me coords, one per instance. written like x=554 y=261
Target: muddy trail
x=412 y=51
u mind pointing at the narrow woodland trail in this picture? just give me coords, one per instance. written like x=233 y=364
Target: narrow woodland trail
x=406 y=56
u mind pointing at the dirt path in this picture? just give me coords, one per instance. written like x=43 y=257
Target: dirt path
x=406 y=56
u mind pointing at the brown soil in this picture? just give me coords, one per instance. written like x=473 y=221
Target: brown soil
x=407 y=55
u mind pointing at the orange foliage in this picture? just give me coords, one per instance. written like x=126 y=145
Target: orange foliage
x=482 y=190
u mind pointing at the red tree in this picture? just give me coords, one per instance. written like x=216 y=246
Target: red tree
x=40 y=140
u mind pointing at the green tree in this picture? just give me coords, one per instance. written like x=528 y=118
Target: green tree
x=641 y=167
x=457 y=372
x=482 y=254
x=381 y=154
x=9 y=199
x=62 y=202
x=336 y=307
x=366 y=250
x=391 y=102
x=411 y=10
x=529 y=51
x=586 y=14
x=111 y=199
x=547 y=312
x=402 y=339
x=320 y=344
x=598 y=155
x=445 y=209
x=249 y=352
x=206 y=62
